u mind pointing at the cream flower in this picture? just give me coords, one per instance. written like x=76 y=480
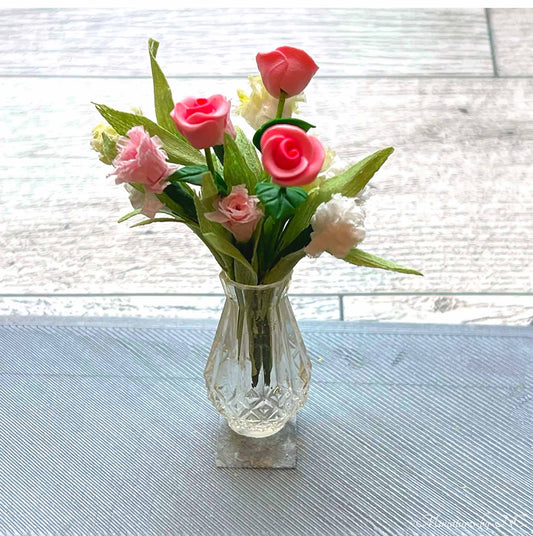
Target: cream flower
x=107 y=151
x=259 y=106
x=338 y=226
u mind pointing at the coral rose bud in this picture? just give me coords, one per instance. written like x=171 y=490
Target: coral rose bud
x=286 y=68
x=291 y=156
x=238 y=213
x=203 y=121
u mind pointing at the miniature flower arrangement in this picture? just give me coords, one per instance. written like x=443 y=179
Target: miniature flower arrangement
x=259 y=206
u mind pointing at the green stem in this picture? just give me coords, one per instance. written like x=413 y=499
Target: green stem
x=281 y=104
x=209 y=161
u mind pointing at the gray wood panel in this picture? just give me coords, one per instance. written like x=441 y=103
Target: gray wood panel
x=512 y=31
x=455 y=199
x=344 y=41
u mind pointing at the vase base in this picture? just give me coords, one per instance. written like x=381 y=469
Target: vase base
x=277 y=451
x=258 y=431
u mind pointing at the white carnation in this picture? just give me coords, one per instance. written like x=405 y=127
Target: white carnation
x=338 y=226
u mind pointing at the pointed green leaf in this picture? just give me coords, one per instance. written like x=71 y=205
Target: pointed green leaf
x=236 y=169
x=204 y=204
x=283 y=267
x=355 y=178
x=153 y=220
x=177 y=199
x=194 y=175
x=361 y=258
x=279 y=202
x=304 y=125
x=349 y=184
x=249 y=153
x=109 y=149
x=178 y=150
x=129 y=215
x=163 y=101
x=256 y=239
x=227 y=248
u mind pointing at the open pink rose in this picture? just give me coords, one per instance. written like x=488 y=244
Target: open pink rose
x=286 y=68
x=291 y=156
x=238 y=213
x=203 y=121
x=141 y=159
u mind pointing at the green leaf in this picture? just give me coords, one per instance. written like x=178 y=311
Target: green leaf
x=129 y=215
x=219 y=151
x=361 y=258
x=179 y=201
x=178 y=150
x=283 y=267
x=279 y=202
x=188 y=174
x=236 y=169
x=249 y=153
x=194 y=175
x=227 y=248
x=256 y=239
x=355 y=178
x=153 y=220
x=204 y=204
x=349 y=184
x=163 y=101
x=109 y=148
x=304 y=125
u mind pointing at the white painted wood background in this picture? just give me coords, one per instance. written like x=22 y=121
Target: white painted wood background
x=450 y=89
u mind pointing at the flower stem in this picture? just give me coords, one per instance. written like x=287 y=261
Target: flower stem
x=209 y=161
x=281 y=104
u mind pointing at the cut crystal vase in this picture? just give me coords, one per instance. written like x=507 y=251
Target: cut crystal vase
x=258 y=372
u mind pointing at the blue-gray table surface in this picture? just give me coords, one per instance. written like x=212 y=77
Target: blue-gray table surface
x=105 y=429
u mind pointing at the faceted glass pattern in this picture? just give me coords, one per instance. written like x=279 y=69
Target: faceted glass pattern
x=258 y=371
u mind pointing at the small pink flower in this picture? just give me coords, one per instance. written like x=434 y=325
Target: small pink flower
x=141 y=159
x=291 y=156
x=238 y=213
x=286 y=68
x=203 y=121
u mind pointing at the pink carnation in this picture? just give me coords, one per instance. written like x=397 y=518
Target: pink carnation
x=238 y=213
x=142 y=160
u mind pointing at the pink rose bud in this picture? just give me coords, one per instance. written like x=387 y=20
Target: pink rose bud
x=286 y=68
x=203 y=121
x=238 y=213
x=291 y=156
x=141 y=159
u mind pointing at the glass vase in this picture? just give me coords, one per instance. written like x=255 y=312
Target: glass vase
x=258 y=372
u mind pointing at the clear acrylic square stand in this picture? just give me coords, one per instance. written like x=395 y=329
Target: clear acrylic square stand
x=278 y=451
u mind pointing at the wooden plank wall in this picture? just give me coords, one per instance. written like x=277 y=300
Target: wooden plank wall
x=450 y=89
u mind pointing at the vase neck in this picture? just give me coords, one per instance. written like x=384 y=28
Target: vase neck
x=241 y=294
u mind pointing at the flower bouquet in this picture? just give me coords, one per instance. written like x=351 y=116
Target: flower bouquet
x=259 y=206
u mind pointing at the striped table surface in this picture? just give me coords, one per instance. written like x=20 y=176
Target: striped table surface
x=105 y=429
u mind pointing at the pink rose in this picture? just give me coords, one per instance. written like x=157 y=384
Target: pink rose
x=291 y=156
x=286 y=68
x=203 y=121
x=238 y=213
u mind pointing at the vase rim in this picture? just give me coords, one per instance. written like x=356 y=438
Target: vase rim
x=224 y=277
